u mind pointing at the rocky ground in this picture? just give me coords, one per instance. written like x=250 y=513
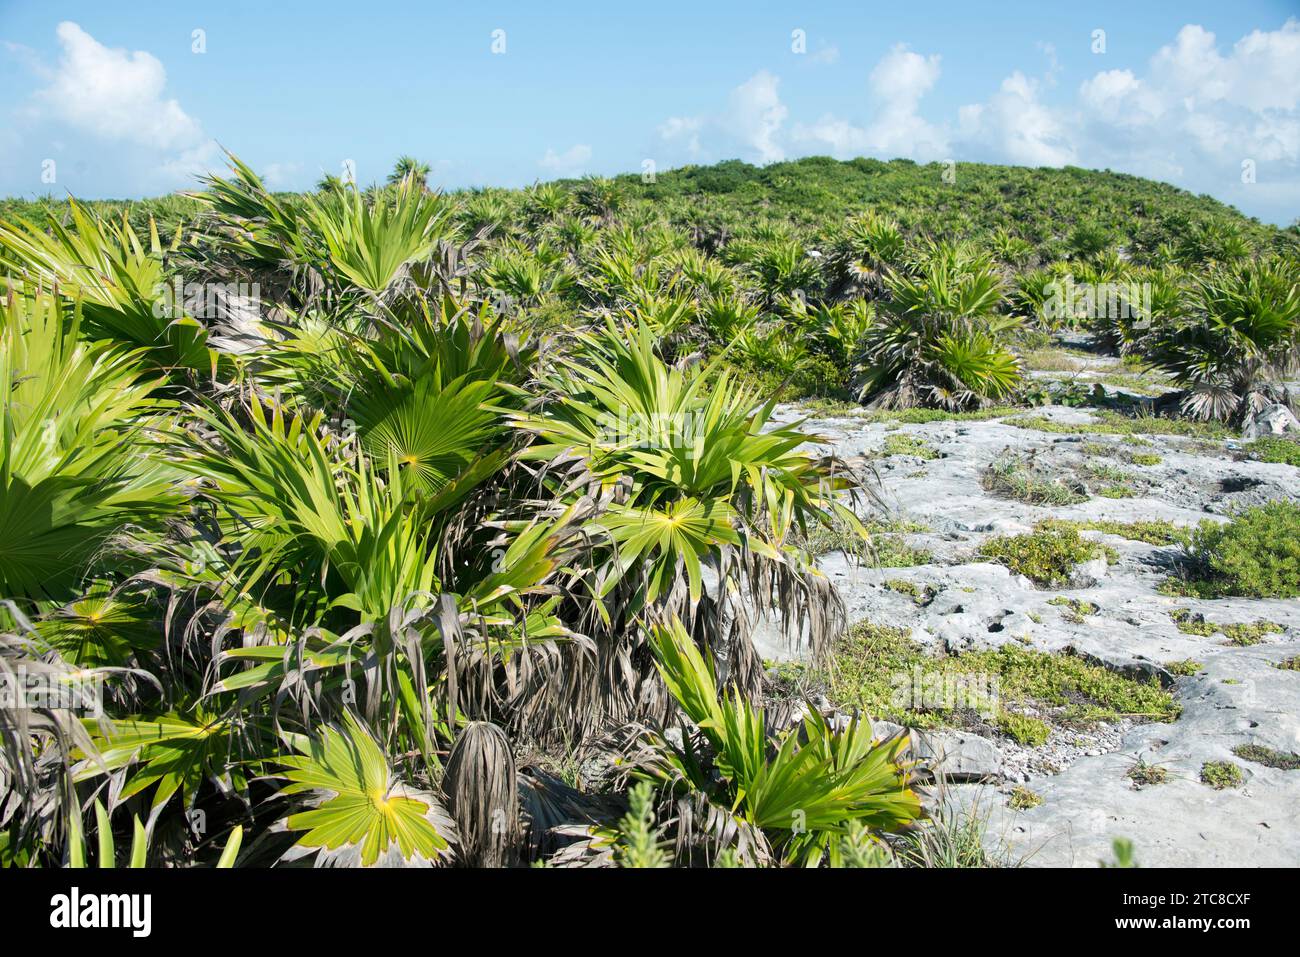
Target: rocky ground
x=1236 y=697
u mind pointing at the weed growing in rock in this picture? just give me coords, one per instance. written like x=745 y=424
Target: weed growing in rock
x=1289 y=664
x=1245 y=634
x=1076 y=608
x=954 y=836
x=1241 y=633
x=1143 y=774
x=1047 y=556
x=1023 y=799
x=1116 y=491
x=870 y=662
x=908 y=445
x=884 y=546
x=1259 y=754
x=1107 y=473
x=1281 y=451
x=1015 y=477
x=1156 y=532
x=921 y=594
x=1192 y=624
x=1184 y=668
x=1221 y=774
x=1023 y=729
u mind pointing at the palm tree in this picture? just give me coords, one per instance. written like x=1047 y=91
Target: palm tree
x=940 y=342
x=1238 y=344
x=409 y=168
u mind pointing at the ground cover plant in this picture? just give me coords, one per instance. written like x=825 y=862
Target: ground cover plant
x=1046 y=556
x=1256 y=554
x=363 y=512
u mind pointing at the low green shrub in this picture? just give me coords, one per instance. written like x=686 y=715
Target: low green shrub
x=1256 y=555
x=901 y=444
x=1281 y=451
x=1221 y=774
x=871 y=663
x=1012 y=476
x=1047 y=556
x=1156 y=532
x=1076 y=608
x=1023 y=799
x=1023 y=729
x=1259 y=754
x=1143 y=774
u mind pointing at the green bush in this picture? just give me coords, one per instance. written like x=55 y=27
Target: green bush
x=1256 y=555
x=1283 y=451
x=1045 y=556
x=1258 y=753
x=1023 y=729
x=1221 y=774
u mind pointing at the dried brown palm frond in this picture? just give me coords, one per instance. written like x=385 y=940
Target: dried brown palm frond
x=39 y=735
x=560 y=821
x=483 y=796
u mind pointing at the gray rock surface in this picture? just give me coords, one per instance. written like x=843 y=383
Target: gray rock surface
x=1238 y=697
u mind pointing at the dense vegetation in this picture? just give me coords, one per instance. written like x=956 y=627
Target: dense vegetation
x=369 y=512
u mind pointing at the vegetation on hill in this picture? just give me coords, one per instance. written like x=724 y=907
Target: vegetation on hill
x=340 y=503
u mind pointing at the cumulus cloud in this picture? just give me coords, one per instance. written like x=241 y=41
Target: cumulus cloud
x=1197 y=114
x=751 y=126
x=895 y=87
x=1193 y=115
x=105 y=116
x=114 y=94
x=571 y=162
x=756 y=116
x=684 y=130
x=1016 y=127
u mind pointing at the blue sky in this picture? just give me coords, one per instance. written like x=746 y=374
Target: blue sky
x=1204 y=95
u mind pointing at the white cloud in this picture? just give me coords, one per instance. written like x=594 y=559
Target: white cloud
x=571 y=162
x=114 y=94
x=827 y=55
x=751 y=126
x=1014 y=126
x=895 y=87
x=684 y=129
x=1197 y=113
x=756 y=116
x=105 y=118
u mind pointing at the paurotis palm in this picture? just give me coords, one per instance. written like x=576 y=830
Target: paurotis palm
x=1239 y=341
x=401 y=512
x=940 y=343
x=702 y=484
x=119 y=281
x=793 y=794
x=79 y=450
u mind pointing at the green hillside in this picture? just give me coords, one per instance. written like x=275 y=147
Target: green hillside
x=355 y=498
